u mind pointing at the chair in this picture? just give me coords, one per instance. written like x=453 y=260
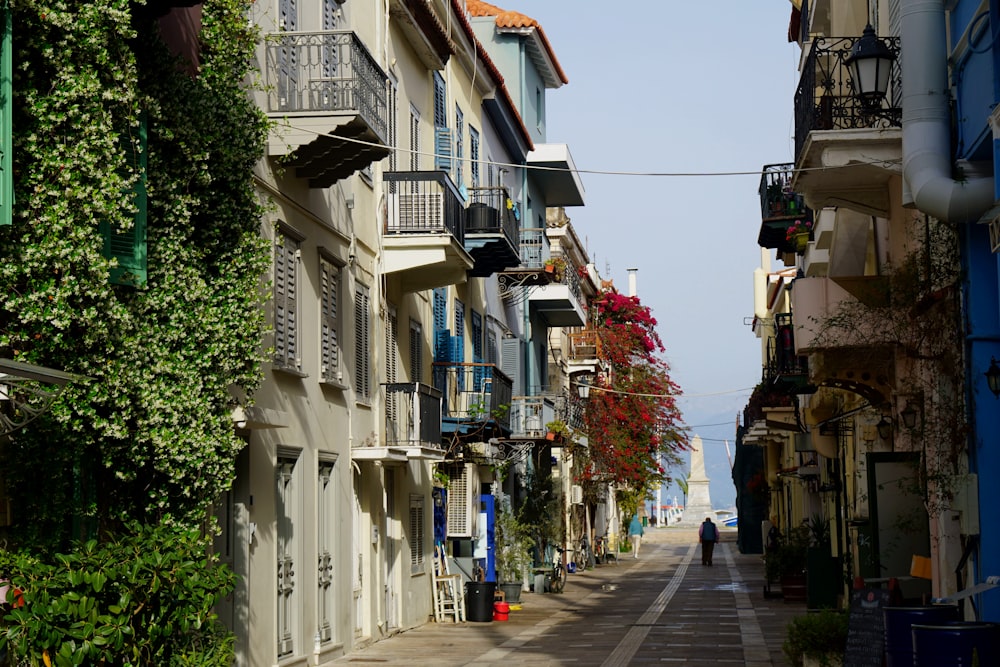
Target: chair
x=449 y=598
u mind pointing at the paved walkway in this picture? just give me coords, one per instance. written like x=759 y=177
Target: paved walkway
x=662 y=608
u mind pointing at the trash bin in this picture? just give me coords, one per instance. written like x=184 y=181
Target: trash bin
x=479 y=600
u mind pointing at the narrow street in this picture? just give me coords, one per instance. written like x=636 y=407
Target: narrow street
x=663 y=607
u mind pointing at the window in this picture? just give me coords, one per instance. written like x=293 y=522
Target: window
x=417 y=536
x=391 y=363
x=416 y=352
x=440 y=101
x=126 y=246
x=442 y=333
x=325 y=539
x=459 y=144
x=442 y=134
x=288 y=507
x=414 y=139
x=392 y=131
x=362 y=344
x=286 y=316
x=474 y=155
x=329 y=335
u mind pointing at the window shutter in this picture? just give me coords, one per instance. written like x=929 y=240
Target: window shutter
x=128 y=246
x=416 y=352
x=285 y=295
x=362 y=345
x=459 y=501
x=442 y=149
x=417 y=534
x=510 y=362
x=442 y=345
x=6 y=118
x=329 y=343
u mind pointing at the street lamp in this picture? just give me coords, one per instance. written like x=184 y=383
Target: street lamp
x=884 y=428
x=993 y=377
x=583 y=387
x=870 y=63
x=909 y=415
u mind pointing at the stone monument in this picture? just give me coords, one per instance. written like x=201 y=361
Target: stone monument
x=699 y=503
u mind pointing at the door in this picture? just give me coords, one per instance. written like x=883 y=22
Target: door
x=390 y=552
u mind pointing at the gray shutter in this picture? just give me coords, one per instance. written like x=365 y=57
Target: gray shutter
x=511 y=354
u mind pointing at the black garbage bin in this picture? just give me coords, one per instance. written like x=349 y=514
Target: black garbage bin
x=479 y=600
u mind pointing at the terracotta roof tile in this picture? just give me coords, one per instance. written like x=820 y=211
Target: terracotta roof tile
x=509 y=19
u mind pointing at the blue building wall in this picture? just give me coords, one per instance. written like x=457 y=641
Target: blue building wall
x=976 y=87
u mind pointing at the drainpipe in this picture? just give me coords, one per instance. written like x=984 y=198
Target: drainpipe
x=926 y=120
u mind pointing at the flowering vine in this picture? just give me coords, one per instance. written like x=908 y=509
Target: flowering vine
x=147 y=435
x=632 y=417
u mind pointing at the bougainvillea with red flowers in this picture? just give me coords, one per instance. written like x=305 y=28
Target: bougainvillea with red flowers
x=632 y=417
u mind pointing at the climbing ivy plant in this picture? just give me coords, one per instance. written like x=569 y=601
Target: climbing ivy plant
x=147 y=434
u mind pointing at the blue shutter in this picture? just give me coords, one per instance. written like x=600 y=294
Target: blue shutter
x=128 y=246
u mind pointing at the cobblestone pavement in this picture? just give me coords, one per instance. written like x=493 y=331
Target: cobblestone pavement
x=663 y=608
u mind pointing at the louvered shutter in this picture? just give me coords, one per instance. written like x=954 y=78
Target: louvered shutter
x=362 y=345
x=460 y=485
x=329 y=343
x=417 y=534
x=443 y=149
x=128 y=246
x=510 y=362
x=285 y=296
x=392 y=398
x=416 y=352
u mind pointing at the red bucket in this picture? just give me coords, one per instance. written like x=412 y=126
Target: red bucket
x=501 y=610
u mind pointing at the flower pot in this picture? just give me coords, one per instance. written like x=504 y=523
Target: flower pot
x=898 y=629
x=793 y=587
x=801 y=241
x=511 y=592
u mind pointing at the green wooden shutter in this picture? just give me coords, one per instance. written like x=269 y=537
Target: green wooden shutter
x=128 y=246
x=6 y=117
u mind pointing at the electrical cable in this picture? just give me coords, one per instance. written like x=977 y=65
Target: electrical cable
x=600 y=172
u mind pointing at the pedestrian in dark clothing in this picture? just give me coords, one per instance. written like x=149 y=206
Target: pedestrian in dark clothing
x=708 y=535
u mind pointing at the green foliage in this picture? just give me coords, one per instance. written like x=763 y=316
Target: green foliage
x=820 y=635
x=790 y=555
x=125 y=601
x=148 y=436
x=513 y=544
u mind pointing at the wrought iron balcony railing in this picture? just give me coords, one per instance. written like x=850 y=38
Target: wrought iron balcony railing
x=533 y=244
x=529 y=415
x=422 y=202
x=474 y=392
x=784 y=369
x=325 y=72
x=491 y=211
x=825 y=98
x=584 y=344
x=412 y=414
x=780 y=208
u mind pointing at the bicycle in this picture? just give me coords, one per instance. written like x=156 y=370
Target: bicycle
x=558 y=577
x=584 y=560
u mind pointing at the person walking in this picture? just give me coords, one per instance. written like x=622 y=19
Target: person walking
x=708 y=535
x=635 y=534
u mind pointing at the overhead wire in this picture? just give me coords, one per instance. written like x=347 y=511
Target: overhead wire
x=601 y=172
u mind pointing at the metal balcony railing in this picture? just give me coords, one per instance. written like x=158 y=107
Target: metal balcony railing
x=530 y=414
x=782 y=362
x=533 y=244
x=491 y=210
x=584 y=344
x=473 y=392
x=776 y=197
x=329 y=71
x=422 y=202
x=412 y=414
x=825 y=98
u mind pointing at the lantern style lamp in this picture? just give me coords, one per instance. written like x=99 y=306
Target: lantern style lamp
x=870 y=63
x=909 y=415
x=884 y=428
x=583 y=387
x=993 y=377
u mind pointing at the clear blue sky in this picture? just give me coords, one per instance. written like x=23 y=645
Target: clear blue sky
x=678 y=87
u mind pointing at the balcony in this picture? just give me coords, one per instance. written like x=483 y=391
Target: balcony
x=534 y=248
x=529 y=416
x=476 y=399
x=857 y=356
x=491 y=231
x=584 y=353
x=413 y=419
x=425 y=230
x=555 y=171
x=845 y=153
x=327 y=95
x=780 y=207
x=560 y=302
x=784 y=370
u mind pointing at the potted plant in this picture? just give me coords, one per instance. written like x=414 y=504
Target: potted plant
x=817 y=639
x=513 y=544
x=555 y=266
x=798 y=234
x=786 y=563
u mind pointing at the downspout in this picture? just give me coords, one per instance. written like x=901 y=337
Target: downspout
x=926 y=120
